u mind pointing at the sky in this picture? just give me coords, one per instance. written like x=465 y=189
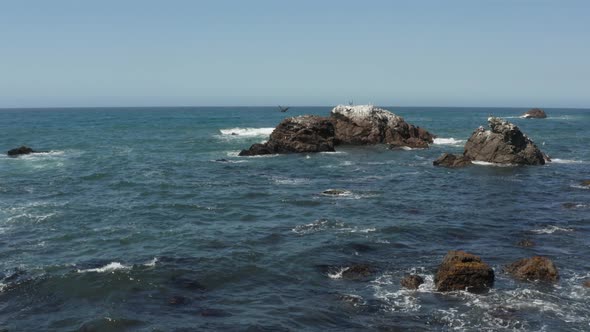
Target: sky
x=497 y=53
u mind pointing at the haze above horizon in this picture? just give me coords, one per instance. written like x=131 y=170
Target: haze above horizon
x=263 y=53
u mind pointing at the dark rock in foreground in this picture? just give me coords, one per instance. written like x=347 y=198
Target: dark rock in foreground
x=504 y=144
x=534 y=268
x=412 y=281
x=452 y=161
x=534 y=113
x=306 y=133
x=367 y=124
x=463 y=271
x=20 y=151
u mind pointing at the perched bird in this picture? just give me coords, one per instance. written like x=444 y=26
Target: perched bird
x=283 y=109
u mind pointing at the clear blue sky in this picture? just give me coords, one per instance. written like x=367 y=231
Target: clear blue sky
x=304 y=52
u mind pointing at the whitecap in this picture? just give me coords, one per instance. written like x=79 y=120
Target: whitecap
x=289 y=181
x=551 y=229
x=113 y=266
x=448 y=141
x=316 y=226
x=246 y=132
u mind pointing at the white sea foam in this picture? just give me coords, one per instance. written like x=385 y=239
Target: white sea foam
x=151 y=263
x=551 y=229
x=448 y=141
x=111 y=267
x=281 y=180
x=316 y=226
x=246 y=132
x=486 y=163
x=567 y=161
x=338 y=274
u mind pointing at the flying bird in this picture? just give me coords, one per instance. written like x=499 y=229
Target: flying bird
x=283 y=109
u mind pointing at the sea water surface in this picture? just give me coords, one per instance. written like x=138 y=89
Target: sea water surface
x=146 y=219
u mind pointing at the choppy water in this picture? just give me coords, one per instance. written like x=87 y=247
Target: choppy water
x=131 y=223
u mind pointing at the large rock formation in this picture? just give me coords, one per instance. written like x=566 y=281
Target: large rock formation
x=306 y=133
x=20 y=151
x=534 y=113
x=504 y=144
x=463 y=271
x=534 y=268
x=366 y=124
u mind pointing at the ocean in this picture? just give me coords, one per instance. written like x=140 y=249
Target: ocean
x=146 y=219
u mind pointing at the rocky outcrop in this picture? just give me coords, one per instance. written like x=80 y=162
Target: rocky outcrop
x=534 y=268
x=20 y=151
x=452 y=161
x=306 y=133
x=463 y=271
x=504 y=144
x=413 y=281
x=366 y=124
x=534 y=113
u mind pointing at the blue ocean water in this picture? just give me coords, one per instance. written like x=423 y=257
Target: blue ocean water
x=145 y=219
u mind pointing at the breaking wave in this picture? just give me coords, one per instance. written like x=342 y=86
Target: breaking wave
x=246 y=132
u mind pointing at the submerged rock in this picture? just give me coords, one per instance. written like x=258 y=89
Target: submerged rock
x=367 y=124
x=20 y=151
x=306 y=133
x=412 y=281
x=534 y=113
x=452 y=161
x=525 y=243
x=463 y=271
x=534 y=268
x=504 y=144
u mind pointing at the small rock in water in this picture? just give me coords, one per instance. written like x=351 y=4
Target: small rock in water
x=222 y=160
x=526 y=243
x=585 y=183
x=177 y=300
x=412 y=281
x=20 y=151
x=534 y=113
x=335 y=192
x=570 y=205
x=534 y=268
x=452 y=161
x=463 y=271
x=358 y=272
x=214 y=313
x=587 y=283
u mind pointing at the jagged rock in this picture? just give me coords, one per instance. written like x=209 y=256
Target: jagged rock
x=366 y=124
x=412 y=281
x=20 y=151
x=534 y=113
x=452 y=161
x=463 y=271
x=306 y=133
x=504 y=144
x=534 y=268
